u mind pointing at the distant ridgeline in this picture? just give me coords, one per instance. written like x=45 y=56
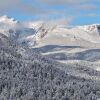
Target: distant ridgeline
x=93 y=27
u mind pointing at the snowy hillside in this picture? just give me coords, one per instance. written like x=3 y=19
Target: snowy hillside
x=73 y=36
x=43 y=62
x=27 y=75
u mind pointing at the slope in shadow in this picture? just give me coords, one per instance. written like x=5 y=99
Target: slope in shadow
x=88 y=55
x=50 y=48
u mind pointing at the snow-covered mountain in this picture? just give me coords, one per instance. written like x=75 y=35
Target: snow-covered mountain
x=41 y=33
x=27 y=75
x=61 y=43
x=42 y=62
x=7 y=20
x=72 y=36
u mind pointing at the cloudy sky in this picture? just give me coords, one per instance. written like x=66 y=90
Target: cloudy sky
x=73 y=12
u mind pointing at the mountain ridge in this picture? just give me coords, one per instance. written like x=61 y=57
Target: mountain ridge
x=38 y=31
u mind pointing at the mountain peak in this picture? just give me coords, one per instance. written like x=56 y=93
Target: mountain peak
x=6 y=19
x=90 y=28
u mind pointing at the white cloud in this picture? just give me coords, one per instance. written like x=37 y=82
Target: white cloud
x=8 y=4
x=45 y=9
x=63 y=2
x=91 y=15
x=59 y=21
x=88 y=7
